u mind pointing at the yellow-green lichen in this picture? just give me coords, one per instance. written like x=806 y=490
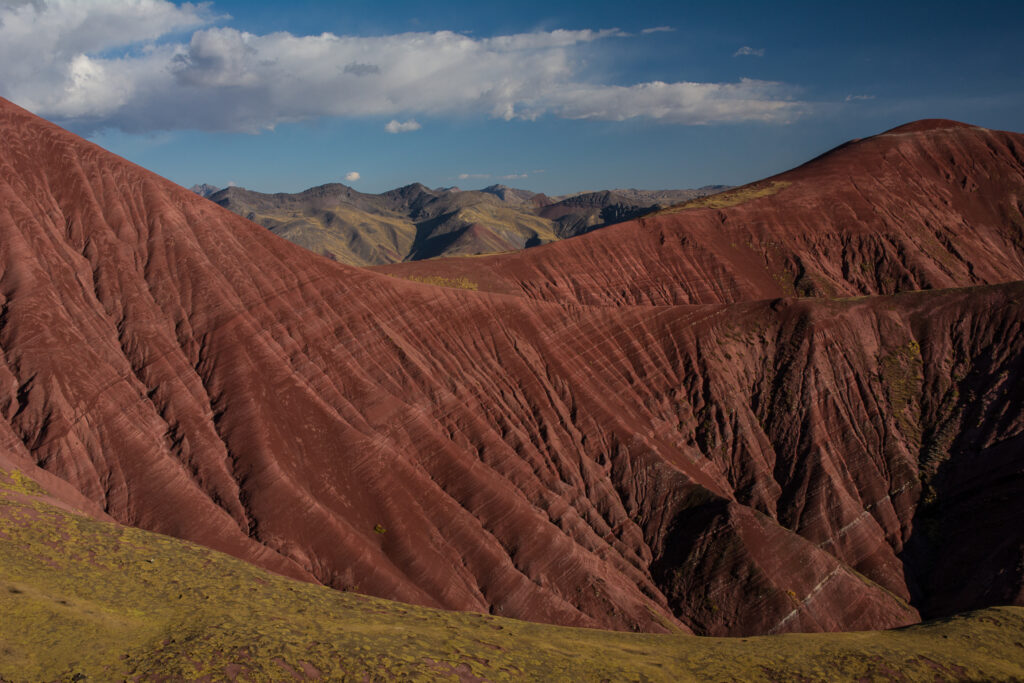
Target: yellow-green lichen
x=19 y=482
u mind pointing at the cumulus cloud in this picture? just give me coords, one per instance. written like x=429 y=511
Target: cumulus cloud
x=352 y=176
x=747 y=51
x=50 y=51
x=395 y=126
x=658 y=29
x=473 y=176
x=515 y=176
x=118 y=63
x=851 y=98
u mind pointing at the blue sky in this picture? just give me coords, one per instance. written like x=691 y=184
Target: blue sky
x=550 y=96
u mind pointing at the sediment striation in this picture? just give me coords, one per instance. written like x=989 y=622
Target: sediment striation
x=652 y=435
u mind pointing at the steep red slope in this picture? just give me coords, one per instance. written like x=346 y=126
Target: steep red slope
x=735 y=469
x=929 y=205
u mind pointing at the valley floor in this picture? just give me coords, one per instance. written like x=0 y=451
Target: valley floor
x=84 y=600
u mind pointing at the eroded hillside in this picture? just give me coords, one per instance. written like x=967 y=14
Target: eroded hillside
x=734 y=468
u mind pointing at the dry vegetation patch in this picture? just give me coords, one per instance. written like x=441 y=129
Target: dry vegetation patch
x=732 y=197
x=82 y=598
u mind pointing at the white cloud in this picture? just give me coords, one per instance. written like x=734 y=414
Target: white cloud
x=395 y=126
x=747 y=51
x=473 y=176
x=352 y=176
x=851 y=98
x=658 y=29
x=515 y=176
x=689 y=103
x=49 y=51
x=117 y=63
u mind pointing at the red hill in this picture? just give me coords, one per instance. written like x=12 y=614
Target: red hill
x=929 y=205
x=734 y=469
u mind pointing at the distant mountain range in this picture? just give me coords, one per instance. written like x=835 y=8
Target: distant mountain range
x=415 y=222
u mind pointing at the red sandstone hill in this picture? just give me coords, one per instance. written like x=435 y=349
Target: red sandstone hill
x=928 y=205
x=754 y=467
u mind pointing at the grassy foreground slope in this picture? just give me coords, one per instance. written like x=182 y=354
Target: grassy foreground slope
x=82 y=599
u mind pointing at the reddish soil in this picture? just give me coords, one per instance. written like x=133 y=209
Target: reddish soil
x=736 y=467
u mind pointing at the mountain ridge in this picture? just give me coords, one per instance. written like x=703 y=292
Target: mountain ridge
x=415 y=222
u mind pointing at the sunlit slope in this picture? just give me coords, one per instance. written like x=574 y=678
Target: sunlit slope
x=81 y=597
x=416 y=222
x=410 y=223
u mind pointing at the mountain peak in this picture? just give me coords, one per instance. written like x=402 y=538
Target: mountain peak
x=928 y=125
x=204 y=189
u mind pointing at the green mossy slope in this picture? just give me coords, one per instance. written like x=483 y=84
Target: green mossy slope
x=88 y=600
